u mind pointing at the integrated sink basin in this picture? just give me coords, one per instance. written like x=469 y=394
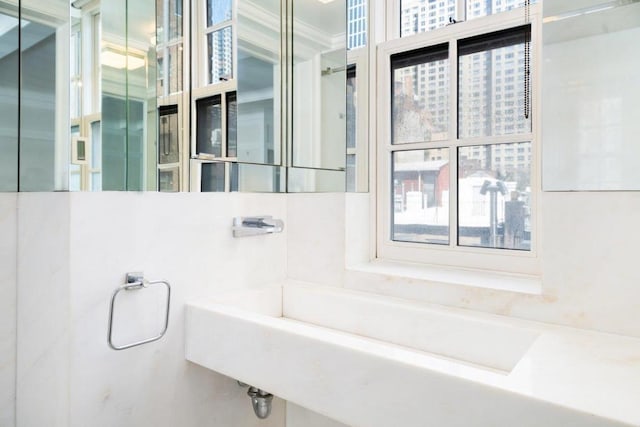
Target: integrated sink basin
x=369 y=361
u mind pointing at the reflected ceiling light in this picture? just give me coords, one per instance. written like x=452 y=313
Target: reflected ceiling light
x=120 y=61
x=325 y=1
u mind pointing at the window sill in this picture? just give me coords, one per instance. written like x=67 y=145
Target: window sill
x=493 y=280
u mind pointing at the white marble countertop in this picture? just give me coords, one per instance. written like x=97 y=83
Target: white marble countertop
x=565 y=377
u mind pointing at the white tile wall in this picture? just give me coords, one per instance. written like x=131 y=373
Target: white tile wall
x=316 y=235
x=589 y=258
x=7 y=308
x=43 y=310
x=74 y=251
x=297 y=416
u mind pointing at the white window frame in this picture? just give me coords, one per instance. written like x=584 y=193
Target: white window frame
x=359 y=58
x=200 y=34
x=452 y=255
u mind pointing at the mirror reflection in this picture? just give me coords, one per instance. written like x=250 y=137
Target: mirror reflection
x=174 y=95
x=9 y=80
x=113 y=99
x=319 y=84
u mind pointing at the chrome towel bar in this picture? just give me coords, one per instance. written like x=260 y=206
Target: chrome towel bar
x=136 y=281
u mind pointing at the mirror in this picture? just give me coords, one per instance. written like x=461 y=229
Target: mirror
x=9 y=81
x=590 y=112
x=105 y=98
x=33 y=120
x=259 y=83
x=113 y=96
x=319 y=84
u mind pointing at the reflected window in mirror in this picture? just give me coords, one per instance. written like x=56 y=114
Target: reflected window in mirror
x=212 y=177
x=216 y=126
x=218 y=39
x=209 y=126
x=352 y=97
x=232 y=124
x=95 y=158
x=169 y=152
x=169 y=47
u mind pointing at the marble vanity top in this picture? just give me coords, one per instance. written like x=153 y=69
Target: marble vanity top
x=368 y=361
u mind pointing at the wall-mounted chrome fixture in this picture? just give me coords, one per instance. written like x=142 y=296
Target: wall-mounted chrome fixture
x=256 y=225
x=136 y=281
x=260 y=400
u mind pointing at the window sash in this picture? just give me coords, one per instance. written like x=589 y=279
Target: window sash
x=453 y=255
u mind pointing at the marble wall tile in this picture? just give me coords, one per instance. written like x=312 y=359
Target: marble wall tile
x=43 y=301
x=357 y=228
x=316 y=236
x=589 y=268
x=185 y=239
x=297 y=416
x=8 y=234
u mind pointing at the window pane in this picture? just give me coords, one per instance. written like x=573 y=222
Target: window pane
x=356 y=23
x=160 y=73
x=169 y=180
x=219 y=48
x=352 y=97
x=175 y=68
x=478 y=8
x=95 y=176
x=232 y=125
x=351 y=173
x=175 y=19
x=491 y=92
x=494 y=196
x=418 y=16
x=421 y=196
x=420 y=107
x=218 y=11
x=209 y=126
x=212 y=177
x=169 y=135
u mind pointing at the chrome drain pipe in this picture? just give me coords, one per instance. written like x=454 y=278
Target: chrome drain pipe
x=260 y=400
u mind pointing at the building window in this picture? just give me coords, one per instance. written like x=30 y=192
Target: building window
x=169 y=48
x=218 y=41
x=454 y=192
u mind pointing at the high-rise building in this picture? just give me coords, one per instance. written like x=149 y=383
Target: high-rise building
x=356 y=23
x=491 y=95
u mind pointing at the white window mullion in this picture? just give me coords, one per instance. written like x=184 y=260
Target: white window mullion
x=453 y=138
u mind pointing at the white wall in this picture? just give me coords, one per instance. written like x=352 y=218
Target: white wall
x=43 y=292
x=7 y=308
x=589 y=259
x=297 y=416
x=74 y=251
x=315 y=237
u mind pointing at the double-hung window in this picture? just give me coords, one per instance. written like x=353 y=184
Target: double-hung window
x=457 y=137
x=214 y=103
